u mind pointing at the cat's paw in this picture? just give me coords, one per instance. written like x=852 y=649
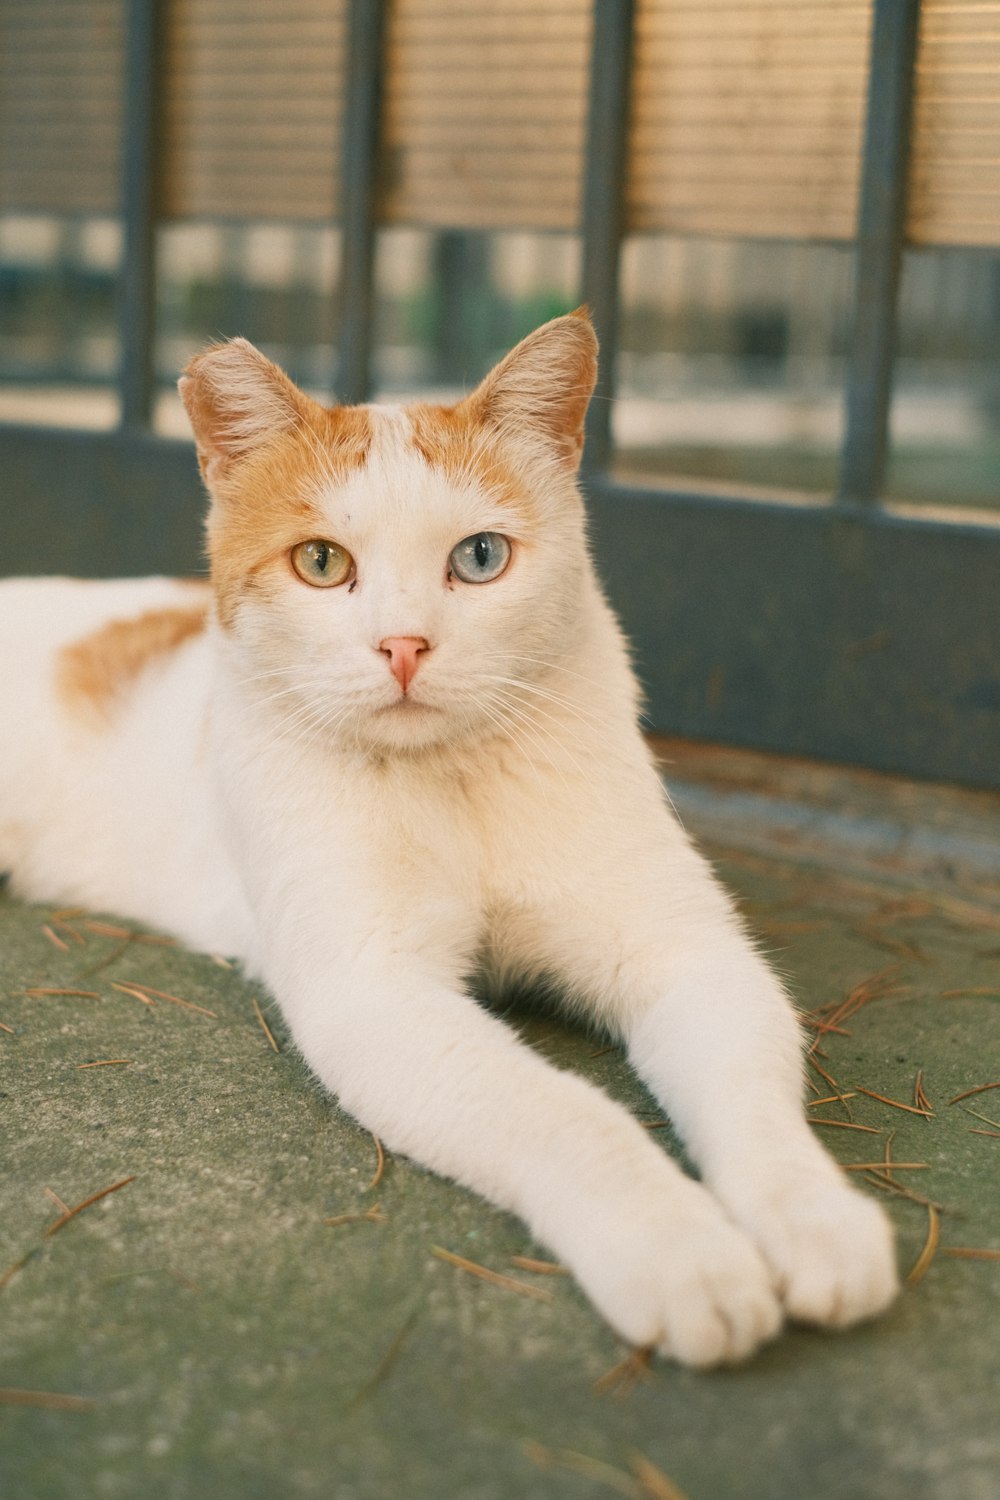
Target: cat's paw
x=832 y=1253
x=682 y=1279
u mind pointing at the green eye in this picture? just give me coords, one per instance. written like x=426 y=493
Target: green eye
x=480 y=558
x=323 y=564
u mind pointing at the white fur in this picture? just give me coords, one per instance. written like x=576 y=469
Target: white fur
x=264 y=791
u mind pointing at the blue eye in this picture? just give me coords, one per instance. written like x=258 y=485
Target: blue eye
x=480 y=558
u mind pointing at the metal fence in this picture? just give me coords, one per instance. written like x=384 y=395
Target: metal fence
x=839 y=627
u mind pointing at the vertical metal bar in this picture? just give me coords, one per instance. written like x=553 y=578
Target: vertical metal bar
x=603 y=219
x=881 y=223
x=137 y=285
x=359 y=155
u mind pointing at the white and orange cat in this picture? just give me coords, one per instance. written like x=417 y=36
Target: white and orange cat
x=390 y=757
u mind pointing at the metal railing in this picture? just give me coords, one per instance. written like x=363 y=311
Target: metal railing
x=844 y=629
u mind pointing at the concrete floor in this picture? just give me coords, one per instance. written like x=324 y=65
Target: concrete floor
x=204 y=1331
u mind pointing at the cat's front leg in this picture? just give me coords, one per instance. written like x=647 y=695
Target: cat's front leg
x=439 y=1079
x=720 y=1047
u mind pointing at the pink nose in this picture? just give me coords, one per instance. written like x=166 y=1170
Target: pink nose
x=403 y=652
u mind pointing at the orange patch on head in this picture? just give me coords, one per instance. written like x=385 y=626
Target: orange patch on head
x=267 y=452
x=454 y=440
x=270 y=501
x=534 y=402
x=94 y=674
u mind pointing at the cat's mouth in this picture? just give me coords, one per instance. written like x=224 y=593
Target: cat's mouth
x=408 y=724
x=408 y=705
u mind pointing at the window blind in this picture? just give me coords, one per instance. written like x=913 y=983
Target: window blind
x=955 y=177
x=253 y=99
x=61 y=67
x=486 y=113
x=747 y=116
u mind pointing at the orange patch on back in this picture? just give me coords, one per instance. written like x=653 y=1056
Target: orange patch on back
x=94 y=674
x=270 y=501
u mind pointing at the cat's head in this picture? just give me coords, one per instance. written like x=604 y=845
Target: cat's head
x=389 y=575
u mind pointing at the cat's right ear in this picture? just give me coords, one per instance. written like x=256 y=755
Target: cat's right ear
x=237 y=401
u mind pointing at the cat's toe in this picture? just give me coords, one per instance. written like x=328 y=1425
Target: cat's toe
x=833 y=1253
x=689 y=1284
x=724 y=1309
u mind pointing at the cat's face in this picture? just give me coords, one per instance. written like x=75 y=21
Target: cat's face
x=398 y=577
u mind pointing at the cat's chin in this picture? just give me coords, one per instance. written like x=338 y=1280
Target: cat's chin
x=408 y=725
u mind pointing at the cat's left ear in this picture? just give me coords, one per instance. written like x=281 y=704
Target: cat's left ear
x=238 y=401
x=543 y=387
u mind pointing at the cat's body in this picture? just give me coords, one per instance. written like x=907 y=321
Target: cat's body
x=372 y=784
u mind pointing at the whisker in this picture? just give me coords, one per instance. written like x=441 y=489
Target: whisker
x=308 y=721
x=528 y=723
x=594 y=725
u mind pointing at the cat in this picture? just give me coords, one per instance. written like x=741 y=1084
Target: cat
x=390 y=752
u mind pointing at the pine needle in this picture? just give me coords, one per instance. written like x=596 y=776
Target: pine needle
x=128 y=933
x=653 y=1483
x=889 y=1185
x=71 y=1213
x=625 y=1375
x=107 y=929
x=982 y=1088
x=147 y=989
x=386 y=1363
x=911 y=1109
x=875 y=987
x=920 y=1098
x=266 y=1029
x=107 y=1062
x=54 y=938
x=978 y=1115
x=108 y=959
x=827 y=1078
x=902 y=947
x=53 y=1400
x=847 y=1125
x=495 y=1278
x=37 y=991
x=379 y=1167
x=887 y=1153
x=365 y=1216
x=879 y=1166
x=130 y=989
x=831 y=1083
x=18 y=1265
x=70 y=931
x=539 y=1267
x=584 y=1465
x=922 y=1264
x=964 y=1252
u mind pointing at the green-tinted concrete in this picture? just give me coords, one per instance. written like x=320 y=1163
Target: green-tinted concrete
x=234 y=1346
